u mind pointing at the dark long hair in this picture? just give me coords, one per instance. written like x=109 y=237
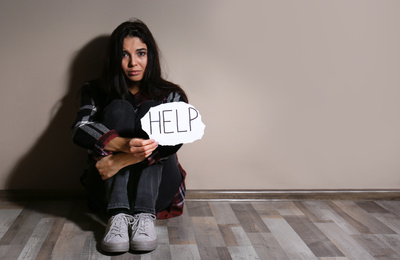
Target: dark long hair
x=113 y=80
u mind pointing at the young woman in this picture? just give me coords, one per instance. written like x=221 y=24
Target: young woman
x=132 y=177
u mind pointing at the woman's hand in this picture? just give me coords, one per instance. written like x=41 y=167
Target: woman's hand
x=136 y=146
x=108 y=167
x=142 y=147
x=139 y=150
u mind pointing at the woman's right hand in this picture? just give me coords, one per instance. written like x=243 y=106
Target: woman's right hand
x=142 y=147
x=138 y=147
x=109 y=165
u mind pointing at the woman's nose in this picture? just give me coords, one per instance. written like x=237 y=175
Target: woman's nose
x=132 y=62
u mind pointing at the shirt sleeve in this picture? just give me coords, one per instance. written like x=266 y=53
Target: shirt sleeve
x=86 y=131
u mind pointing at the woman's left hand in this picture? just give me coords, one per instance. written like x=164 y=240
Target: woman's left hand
x=107 y=167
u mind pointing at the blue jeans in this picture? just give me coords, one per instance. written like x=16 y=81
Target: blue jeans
x=138 y=187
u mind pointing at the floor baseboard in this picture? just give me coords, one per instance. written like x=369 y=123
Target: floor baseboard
x=232 y=195
x=223 y=195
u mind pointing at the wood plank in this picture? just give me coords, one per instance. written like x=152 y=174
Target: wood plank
x=207 y=232
x=4 y=250
x=326 y=213
x=265 y=209
x=54 y=208
x=223 y=213
x=371 y=207
x=318 y=243
x=208 y=253
x=333 y=258
x=288 y=239
x=125 y=256
x=361 y=219
x=376 y=247
x=7 y=217
x=199 y=209
x=227 y=234
x=264 y=253
x=392 y=206
x=181 y=235
x=243 y=252
x=266 y=246
x=35 y=242
x=285 y=208
x=223 y=253
x=162 y=251
x=180 y=230
x=307 y=212
x=70 y=237
x=51 y=239
x=390 y=220
x=349 y=219
x=162 y=235
x=392 y=241
x=26 y=219
x=90 y=251
x=19 y=232
x=77 y=212
x=208 y=236
x=184 y=252
x=241 y=236
x=183 y=220
x=249 y=218
x=344 y=241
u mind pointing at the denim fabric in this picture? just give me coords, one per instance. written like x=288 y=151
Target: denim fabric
x=136 y=187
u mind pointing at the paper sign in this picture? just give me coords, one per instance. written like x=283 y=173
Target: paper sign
x=173 y=123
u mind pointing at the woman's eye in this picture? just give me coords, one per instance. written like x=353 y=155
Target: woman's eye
x=142 y=53
x=124 y=54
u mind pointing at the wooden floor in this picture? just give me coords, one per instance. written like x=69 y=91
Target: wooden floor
x=212 y=230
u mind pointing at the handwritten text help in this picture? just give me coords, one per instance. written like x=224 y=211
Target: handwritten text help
x=173 y=123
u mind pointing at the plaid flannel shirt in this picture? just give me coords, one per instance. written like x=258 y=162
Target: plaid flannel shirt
x=91 y=134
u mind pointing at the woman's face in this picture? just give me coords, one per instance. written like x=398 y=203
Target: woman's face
x=134 y=59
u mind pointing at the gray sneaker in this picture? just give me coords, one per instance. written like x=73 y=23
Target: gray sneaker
x=144 y=236
x=116 y=238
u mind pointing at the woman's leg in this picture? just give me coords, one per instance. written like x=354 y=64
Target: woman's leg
x=148 y=182
x=120 y=116
x=156 y=186
x=170 y=182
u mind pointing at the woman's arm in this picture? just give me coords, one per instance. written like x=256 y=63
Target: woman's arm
x=139 y=150
x=119 y=144
x=86 y=131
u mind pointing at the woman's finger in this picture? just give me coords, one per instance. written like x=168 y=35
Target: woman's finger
x=139 y=142
x=145 y=147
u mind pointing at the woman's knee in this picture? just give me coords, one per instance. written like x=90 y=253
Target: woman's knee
x=120 y=116
x=117 y=108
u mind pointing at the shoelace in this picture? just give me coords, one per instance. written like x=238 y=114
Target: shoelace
x=144 y=219
x=117 y=223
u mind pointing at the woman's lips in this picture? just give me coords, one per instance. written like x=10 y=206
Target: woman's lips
x=134 y=72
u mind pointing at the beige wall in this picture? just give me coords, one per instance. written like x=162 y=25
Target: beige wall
x=294 y=94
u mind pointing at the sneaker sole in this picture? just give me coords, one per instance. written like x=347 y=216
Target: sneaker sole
x=115 y=248
x=144 y=246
